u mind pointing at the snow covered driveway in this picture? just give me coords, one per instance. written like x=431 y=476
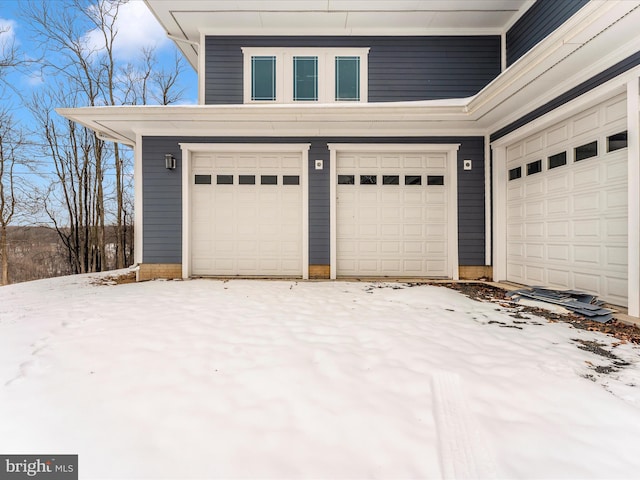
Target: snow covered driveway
x=278 y=379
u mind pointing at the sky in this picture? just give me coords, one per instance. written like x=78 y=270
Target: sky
x=137 y=29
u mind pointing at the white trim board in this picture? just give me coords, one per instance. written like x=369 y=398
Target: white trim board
x=189 y=148
x=452 y=157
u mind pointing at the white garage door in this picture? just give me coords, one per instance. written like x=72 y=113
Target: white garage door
x=246 y=214
x=567 y=205
x=392 y=214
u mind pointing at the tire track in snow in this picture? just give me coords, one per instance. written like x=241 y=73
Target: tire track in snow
x=463 y=450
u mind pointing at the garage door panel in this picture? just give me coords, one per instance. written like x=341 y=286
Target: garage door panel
x=411 y=161
x=557 y=135
x=534 y=188
x=436 y=162
x=413 y=198
x=617 y=228
x=557 y=229
x=388 y=247
x=586 y=255
x=436 y=196
x=559 y=182
x=558 y=278
x=587 y=178
x=534 y=274
x=438 y=267
x=617 y=256
x=587 y=281
x=587 y=203
x=586 y=123
x=558 y=253
x=534 y=251
x=388 y=161
x=616 y=199
x=438 y=249
x=515 y=192
x=616 y=171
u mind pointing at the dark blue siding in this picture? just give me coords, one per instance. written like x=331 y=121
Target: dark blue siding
x=610 y=73
x=162 y=194
x=400 y=68
x=162 y=202
x=537 y=23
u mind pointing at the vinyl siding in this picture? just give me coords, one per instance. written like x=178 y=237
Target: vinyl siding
x=537 y=23
x=400 y=68
x=162 y=194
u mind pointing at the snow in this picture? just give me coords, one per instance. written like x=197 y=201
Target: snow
x=285 y=379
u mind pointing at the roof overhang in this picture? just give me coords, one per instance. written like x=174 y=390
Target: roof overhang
x=600 y=35
x=186 y=20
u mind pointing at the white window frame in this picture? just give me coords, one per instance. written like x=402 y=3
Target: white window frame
x=326 y=72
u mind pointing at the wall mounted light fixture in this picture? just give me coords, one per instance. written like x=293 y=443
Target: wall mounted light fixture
x=169 y=161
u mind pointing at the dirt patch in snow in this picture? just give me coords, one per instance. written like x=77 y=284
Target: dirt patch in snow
x=489 y=293
x=129 y=277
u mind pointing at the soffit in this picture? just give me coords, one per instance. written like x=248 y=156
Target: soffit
x=187 y=19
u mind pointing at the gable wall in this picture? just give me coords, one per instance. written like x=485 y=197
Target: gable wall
x=537 y=23
x=400 y=68
x=162 y=194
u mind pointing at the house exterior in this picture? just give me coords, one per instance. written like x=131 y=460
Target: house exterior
x=438 y=139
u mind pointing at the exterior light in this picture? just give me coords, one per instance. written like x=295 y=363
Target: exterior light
x=169 y=161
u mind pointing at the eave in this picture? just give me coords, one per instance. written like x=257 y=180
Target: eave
x=569 y=56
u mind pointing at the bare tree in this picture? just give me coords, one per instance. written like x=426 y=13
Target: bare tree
x=88 y=65
x=11 y=142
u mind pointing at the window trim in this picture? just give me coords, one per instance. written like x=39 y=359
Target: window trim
x=326 y=72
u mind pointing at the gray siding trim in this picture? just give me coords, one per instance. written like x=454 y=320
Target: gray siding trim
x=537 y=23
x=610 y=73
x=162 y=194
x=400 y=68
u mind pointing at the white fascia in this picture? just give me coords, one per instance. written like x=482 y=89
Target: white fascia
x=189 y=148
x=452 y=215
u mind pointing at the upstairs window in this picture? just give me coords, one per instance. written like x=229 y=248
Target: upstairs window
x=347 y=79
x=305 y=79
x=305 y=75
x=263 y=78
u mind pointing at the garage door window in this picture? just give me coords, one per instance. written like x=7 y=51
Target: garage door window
x=346 y=180
x=203 y=180
x=224 y=179
x=617 y=141
x=413 y=180
x=268 y=180
x=557 y=160
x=391 y=180
x=515 y=173
x=368 y=179
x=586 y=151
x=290 y=180
x=534 y=167
x=247 y=180
x=435 y=180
